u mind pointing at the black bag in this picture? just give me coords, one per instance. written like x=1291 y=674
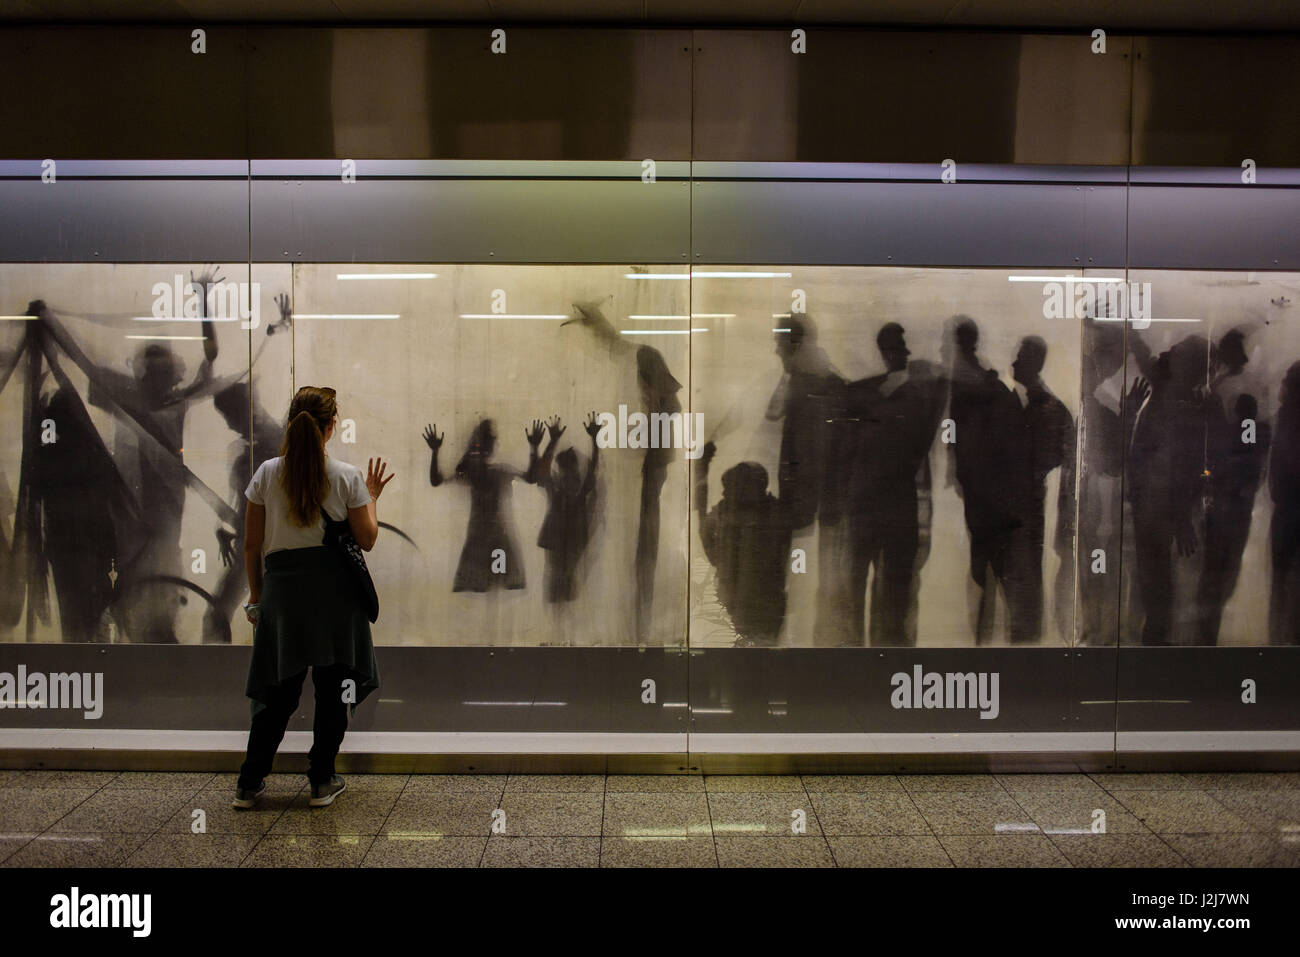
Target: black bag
x=338 y=536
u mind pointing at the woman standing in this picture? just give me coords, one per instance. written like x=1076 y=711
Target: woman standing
x=305 y=607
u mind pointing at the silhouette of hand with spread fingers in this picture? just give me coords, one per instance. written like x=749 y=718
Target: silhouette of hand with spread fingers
x=1140 y=391
x=535 y=432
x=432 y=438
x=592 y=425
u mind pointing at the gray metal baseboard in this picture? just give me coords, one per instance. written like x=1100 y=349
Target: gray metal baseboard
x=672 y=763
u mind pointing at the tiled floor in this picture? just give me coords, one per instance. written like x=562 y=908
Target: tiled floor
x=111 y=819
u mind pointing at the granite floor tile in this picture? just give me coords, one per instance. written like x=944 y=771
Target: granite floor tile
x=1236 y=850
x=555 y=784
x=1003 y=850
x=673 y=851
x=752 y=783
x=1243 y=781
x=1074 y=812
x=852 y=783
x=892 y=851
x=12 y=842
x=1272 y=811
x=1180 y=812
x=351 y=813
x=1116 y=850
x=375 y=783
x=551 y=851
x=873 y=813
x=76 y=850
x=629 y=814
x=913 y=783
x=162 y=780
x=220 y=818
x=425 y=851
x=1018 y=784
x=442 y=814
x=572 y=814
x=747 y=851
x=973 y=812
x=652 y=783
x=192 y=850
x=275 y=783
x=769 y=814
x=456 y=784
x=125 y=811
x=309 y=850
x=56 y=779
x=1126 y=781
x=35 y=809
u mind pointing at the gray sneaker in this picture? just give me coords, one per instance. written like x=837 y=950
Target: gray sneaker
x=245 y=799
x=323 y=794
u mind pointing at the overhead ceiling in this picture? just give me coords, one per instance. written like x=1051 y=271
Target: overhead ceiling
x=1199 y=15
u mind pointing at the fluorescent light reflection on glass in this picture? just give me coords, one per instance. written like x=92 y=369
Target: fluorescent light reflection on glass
x=172 y=338
x=346 y=315
x=512 y=315
x=1062 y=279
x=387 y=275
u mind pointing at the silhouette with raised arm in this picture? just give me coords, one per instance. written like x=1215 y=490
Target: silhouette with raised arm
x=1165 y=478
x=658 y=388
x=489 y=558
x=570 y=497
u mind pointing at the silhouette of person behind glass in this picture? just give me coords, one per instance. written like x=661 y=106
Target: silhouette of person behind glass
x=812 y=473
x=567 y=525
x=1034 y=435
x=75 y=479
x=489 y=558
x=1236 y=467
x=976 y=395
x=1165 y=478
x=259 y=440
x=1284 y=533
x=746 y=538
x=897 y=415
x=1104 y=419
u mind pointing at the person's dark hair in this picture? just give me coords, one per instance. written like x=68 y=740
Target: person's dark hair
x=303 y=476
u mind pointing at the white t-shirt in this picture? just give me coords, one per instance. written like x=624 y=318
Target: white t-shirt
x=347 y=489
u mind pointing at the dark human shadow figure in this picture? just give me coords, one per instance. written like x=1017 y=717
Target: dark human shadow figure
x=746 y=538
x=259 y=438
x=1105 y=419
x=570 y=494
x=1284 y=532
x=1236 y=468
x=148 y=545
x=1033 y=433
x=75 y=479
x=975 y=397
x=896 y=415
x=1165 y=479
x=489 y=558
x=658 y=392
x=812 y=476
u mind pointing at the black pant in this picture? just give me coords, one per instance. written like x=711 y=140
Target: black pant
x=330 y=723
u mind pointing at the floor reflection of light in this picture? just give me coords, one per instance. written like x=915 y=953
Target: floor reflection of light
x=415 y=836
x=676 y=833
x=1004 y=828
